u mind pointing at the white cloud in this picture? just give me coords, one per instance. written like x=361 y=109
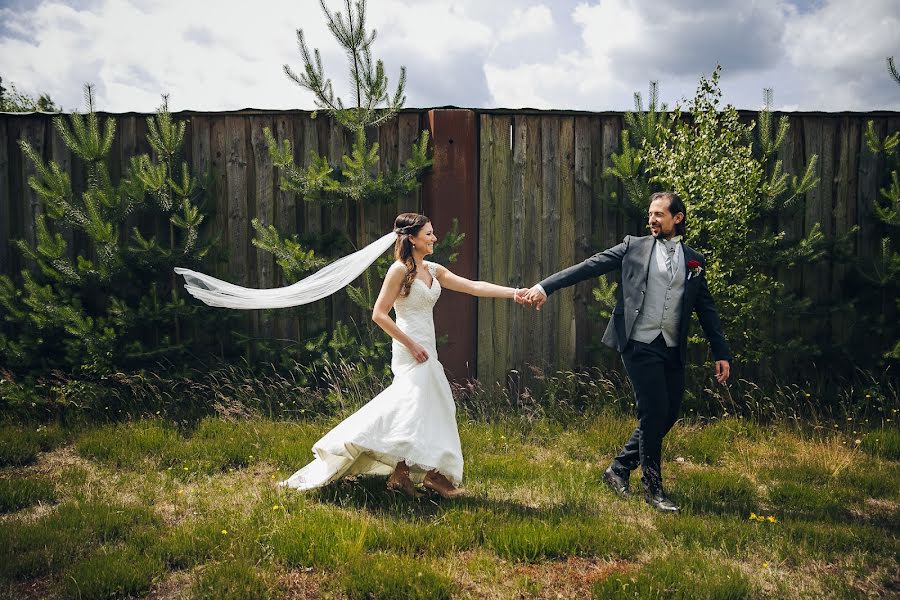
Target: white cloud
x=524 y=23
x=588 y=54
x=842 y=36
x=768 y=43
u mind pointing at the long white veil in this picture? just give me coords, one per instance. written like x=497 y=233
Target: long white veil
x=320 y=284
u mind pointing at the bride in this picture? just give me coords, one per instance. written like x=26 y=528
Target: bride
x=408 y=431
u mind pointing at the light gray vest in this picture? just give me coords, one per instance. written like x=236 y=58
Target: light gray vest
x=661 y=310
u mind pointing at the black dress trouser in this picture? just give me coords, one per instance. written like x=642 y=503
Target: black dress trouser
x=657 y=376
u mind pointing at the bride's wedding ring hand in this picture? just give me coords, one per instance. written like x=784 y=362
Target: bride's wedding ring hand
x=419 y=353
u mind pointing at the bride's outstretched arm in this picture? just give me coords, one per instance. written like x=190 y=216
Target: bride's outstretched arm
x=390 y=289
x=484 y=289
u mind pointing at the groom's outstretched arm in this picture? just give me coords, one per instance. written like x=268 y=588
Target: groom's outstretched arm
x=596 y=265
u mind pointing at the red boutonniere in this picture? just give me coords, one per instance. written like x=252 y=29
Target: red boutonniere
x=694 y=267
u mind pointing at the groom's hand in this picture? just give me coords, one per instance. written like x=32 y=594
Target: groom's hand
x=723 y=370
x=535 y=297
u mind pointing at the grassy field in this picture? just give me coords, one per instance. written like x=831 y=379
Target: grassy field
x=145 y=509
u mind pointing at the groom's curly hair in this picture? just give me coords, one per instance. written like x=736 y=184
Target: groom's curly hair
x=407 y=226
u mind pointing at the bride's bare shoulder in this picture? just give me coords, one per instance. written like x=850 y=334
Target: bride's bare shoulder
x=397 y=270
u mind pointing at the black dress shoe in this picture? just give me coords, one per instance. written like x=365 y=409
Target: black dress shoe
x=660 y=501
x=617 y=483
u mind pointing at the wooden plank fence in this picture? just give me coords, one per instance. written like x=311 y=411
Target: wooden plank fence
x=544 y=170
x=541 y=203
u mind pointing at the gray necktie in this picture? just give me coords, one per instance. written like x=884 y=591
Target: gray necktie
x=670 y=264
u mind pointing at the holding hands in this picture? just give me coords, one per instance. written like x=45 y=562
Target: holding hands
x=533 y=296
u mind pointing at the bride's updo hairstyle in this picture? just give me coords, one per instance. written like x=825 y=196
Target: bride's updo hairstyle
x=407 y=226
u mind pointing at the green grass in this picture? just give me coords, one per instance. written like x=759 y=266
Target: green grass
x=148 y=503
x=810 y=501
x=191 y=543
x=21 y=444
x=35 y=548
x=232 y=580
x=709 y=444
x=19 y=493
x=394 y=577
x=111 y=573
x=318 y=538
x=884 y=443
x=555 y=538
x=679 y=576
x=718 y=491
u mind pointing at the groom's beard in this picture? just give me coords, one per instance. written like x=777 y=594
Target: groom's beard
x=663 y=235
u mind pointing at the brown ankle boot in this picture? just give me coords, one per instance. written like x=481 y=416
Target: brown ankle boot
x=439 y=484
x=399 y=481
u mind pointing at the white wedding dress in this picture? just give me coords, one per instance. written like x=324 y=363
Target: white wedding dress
x=413 y=420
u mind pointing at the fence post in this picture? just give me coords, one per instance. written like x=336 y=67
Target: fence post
x=451 y=192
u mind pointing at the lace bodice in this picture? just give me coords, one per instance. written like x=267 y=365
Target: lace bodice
x=414 y=312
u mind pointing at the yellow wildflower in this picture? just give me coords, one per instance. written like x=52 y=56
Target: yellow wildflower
x=771 y=519
x=224 y=532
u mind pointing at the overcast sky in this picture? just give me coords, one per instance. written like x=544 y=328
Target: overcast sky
x=562 y=54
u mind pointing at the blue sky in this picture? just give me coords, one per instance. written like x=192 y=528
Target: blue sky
x=566 y=54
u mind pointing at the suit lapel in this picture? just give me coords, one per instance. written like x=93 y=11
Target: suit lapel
x=645 y=257
x=684 y=261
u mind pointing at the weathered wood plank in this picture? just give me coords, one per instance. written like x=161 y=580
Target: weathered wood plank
x=409 y=127
x=517 y=240
x=307 y=136
x=790 y=221
x=5 y=202
x=870 y=177
x=499 y=242
x=311 y=139
x=388 y=147
x=485 y=337
x=236 y=167
x=61 y=155
x=201 y=169
x=844 y=217
x=600 y=190
x=607 y=223
x=534 y=269
x=124 y=149
x=817 y=206
x=33 y=131
x=264 y=183
x=550 y=168
x=219 y=180
x=582 y=218
x=342 y=217
x=565 y=347
x=285 y=213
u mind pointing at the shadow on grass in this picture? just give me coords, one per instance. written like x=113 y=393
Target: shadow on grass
x=371 y=495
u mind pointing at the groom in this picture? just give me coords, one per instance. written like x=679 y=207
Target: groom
x=662 y=284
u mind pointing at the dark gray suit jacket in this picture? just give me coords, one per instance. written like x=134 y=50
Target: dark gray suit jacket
x=633 y=257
